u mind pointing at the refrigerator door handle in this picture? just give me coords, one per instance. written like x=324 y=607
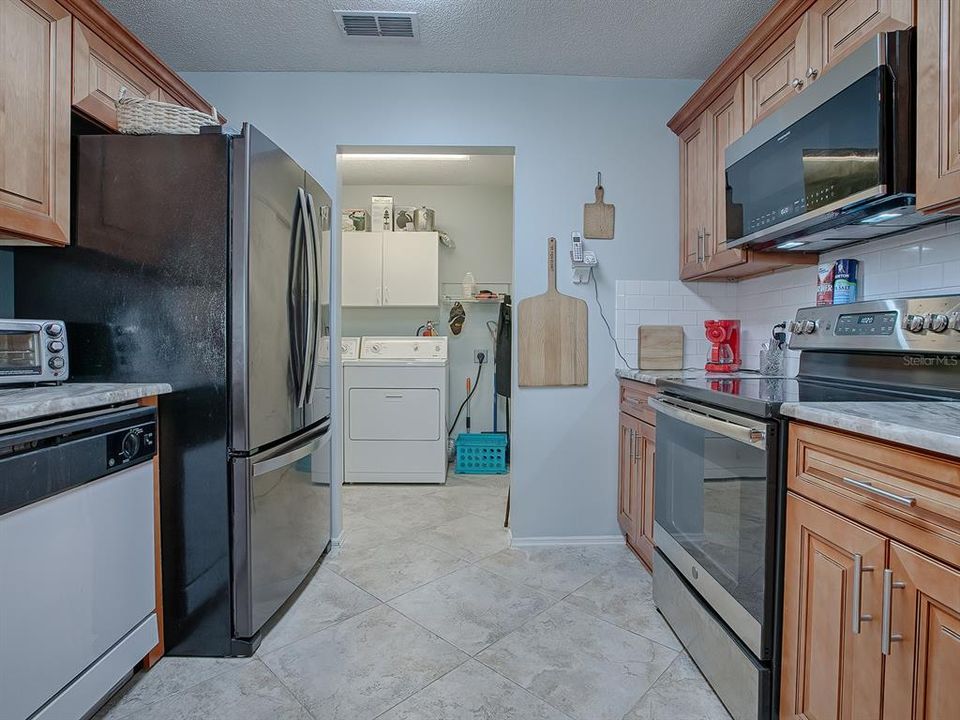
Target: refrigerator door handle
x=314 y=299
x=288 y=458
x=304 y=253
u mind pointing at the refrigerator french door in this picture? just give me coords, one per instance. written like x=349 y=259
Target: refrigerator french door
x=278 y=298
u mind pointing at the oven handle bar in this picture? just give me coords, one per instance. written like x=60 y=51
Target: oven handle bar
x=755 y=436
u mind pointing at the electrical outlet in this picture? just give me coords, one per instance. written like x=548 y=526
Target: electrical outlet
x=477 y=353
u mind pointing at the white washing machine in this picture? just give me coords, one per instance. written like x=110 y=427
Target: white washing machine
x=395 y=411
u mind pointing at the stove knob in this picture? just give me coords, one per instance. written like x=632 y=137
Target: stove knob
x=55 y=363
x=806 y=327
x=937 y=322
x=54 y=329
x=914 y=323
x=955 y=320
x=791 y=326
x=55 y=346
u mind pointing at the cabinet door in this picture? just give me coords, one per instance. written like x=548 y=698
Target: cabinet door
x=725 y=124
x=832 y=669
x=627 y=500
x=938 y=105
x=696 y=183
x=101 y=74
x=645 y=463
x=921 y=676
x=362 y=268
x=35 y=112
x=837 y=27
x=775 y=76
x=411 y=269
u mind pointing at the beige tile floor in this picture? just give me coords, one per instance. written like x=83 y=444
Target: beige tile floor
x=426 y=613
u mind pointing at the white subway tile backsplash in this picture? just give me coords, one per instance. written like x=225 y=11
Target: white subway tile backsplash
x=923 y=262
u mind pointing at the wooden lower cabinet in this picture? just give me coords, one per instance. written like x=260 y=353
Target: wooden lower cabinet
x=871 y=608
x=921 y=674
x=830 y=670
x=637 y=458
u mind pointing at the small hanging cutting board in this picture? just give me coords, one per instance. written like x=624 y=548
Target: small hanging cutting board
x=552 y=331
x=598 y=217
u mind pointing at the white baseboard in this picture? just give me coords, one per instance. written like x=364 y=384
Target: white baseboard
x=567 y=540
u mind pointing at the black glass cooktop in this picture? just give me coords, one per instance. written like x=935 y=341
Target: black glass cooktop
x=762 y=396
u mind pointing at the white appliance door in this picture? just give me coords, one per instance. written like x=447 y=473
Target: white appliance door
x=396 y=414
x=76 y=574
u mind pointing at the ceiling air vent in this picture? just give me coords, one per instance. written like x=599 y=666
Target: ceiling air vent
x=378 y=24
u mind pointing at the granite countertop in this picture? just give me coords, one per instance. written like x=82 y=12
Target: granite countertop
x=933 y=426
x=650 y=377
x=17 y=404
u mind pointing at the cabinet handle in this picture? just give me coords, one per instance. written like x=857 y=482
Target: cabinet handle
x=797 y=84
x=637 y=446
x=630 y=451
x=705 y=236
x=700 y=244
x=904 y=500
x=855 y=615
x=886 y=632
x=812 y=73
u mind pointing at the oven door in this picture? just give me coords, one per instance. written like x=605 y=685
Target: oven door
x=715 y=502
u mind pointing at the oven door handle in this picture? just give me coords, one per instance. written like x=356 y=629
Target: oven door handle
x=753 y=436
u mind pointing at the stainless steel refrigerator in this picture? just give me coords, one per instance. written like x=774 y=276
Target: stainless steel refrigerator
x=201 y=261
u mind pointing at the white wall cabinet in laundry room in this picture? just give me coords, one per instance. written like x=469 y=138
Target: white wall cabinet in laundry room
x=384 y=269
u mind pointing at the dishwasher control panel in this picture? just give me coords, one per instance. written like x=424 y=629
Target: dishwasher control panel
x=131 y=444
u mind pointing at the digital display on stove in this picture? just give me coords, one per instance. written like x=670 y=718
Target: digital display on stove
x=875 y=323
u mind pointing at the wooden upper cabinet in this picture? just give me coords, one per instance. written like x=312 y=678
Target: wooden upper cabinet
x=836 y=27
x=35 y=114
x=725 y=124
x=832 y=668
x=101 y=74
x=776 y=75
x=696 y=188
x=921 y=673
x=938 y=105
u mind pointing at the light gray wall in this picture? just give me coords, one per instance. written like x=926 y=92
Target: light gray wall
x=480 y=221
x=6 y=283
x=564 y=130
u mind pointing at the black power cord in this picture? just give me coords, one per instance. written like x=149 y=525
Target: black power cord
x=482 y=357
x=616 y=345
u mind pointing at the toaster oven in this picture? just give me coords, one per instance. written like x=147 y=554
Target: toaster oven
x=33 y=351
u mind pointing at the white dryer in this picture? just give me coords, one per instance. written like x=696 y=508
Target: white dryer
x=395 y=414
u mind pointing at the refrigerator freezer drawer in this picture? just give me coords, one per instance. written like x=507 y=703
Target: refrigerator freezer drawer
x=281 y=526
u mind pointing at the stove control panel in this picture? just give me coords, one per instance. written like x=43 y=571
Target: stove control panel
x=914 y=325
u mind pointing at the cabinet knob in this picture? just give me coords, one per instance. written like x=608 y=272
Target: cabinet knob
x=812 y=73
x=797 y=83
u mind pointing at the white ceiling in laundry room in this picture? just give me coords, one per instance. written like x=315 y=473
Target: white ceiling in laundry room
x=617 y=38
x=404 y=169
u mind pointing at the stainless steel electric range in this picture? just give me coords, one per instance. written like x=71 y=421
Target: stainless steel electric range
x=720 y=487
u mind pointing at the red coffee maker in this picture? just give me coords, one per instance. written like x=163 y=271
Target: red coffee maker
x=724 y=355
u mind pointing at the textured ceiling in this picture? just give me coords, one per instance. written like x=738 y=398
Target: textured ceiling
x=617 y=38
x=412 y=170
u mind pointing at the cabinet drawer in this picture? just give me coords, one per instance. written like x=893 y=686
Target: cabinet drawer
x=633 y=400
x=908 y=495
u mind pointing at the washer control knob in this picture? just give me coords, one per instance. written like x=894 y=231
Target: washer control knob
x=55 y=346
x=937 y=322
x=54 y=329
x=914 y=323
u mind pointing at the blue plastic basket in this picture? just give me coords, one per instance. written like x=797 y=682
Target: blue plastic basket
x=481 y=453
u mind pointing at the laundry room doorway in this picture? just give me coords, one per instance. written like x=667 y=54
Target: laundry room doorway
x=425 y=319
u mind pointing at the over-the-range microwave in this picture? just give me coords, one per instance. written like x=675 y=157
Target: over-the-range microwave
x=836 y=164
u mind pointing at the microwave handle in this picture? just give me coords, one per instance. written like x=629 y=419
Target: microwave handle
x=741 y=433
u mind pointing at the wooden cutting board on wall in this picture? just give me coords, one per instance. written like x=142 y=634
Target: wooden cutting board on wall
x=552 y=334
